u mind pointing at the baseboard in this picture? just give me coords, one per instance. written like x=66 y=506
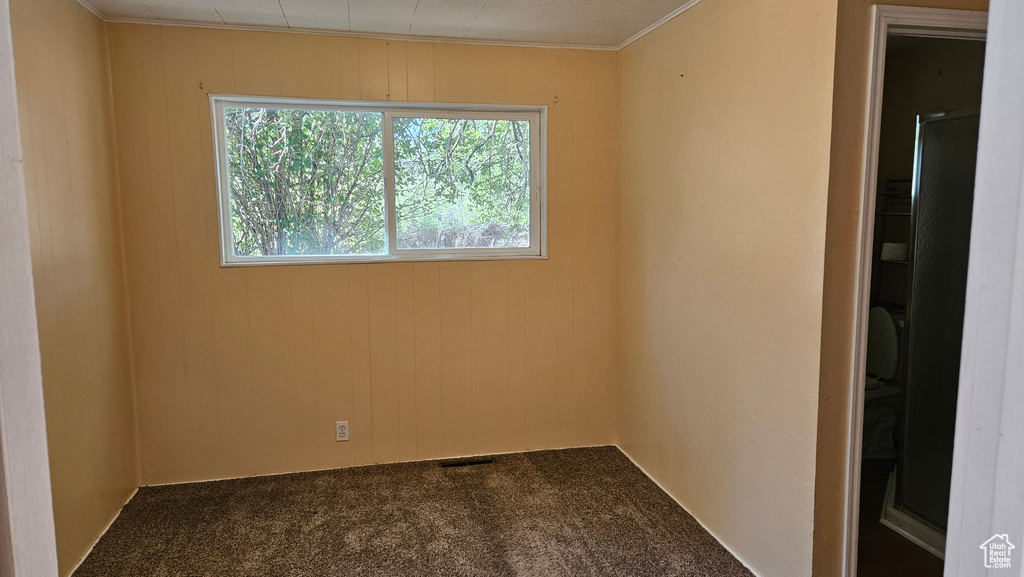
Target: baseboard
x=102 y=533
x=706 y=528
x=449 y=458
x=910 y=527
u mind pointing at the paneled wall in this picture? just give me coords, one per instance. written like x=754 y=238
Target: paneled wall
x=67 y=134
x=243 y=371
x=725 y=147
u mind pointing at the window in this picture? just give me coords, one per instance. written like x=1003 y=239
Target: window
x=302 y=181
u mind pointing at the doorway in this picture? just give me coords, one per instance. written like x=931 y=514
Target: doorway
x=919 y=178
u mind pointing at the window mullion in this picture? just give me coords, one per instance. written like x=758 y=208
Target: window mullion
x=389 y=184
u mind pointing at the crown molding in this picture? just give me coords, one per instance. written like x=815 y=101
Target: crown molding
x=376 y=35
x=689 y=4
x=92 y=9
x=402 y=37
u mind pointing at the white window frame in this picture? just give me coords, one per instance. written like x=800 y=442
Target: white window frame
x=536 y=115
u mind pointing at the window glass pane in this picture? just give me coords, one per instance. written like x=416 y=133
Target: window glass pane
x=462 y=183
x=305 y=182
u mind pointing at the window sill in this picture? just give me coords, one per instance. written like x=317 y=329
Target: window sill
x=372 y=259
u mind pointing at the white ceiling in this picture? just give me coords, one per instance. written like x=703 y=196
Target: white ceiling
x=592 y=23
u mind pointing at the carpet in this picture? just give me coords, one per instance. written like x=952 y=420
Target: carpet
x=583 y=511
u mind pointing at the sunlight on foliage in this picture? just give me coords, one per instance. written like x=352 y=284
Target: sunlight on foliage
x=462 y=183
x=305 y=181
x=311 y=182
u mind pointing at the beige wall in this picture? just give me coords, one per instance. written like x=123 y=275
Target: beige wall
x=64 y=99
x=845 y=186
x=724 y=167
x=243 y=371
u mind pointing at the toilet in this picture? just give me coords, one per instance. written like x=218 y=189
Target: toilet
x=881 y=394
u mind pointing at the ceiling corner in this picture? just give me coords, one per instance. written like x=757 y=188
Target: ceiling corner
x=664 y=20
x=92 y=9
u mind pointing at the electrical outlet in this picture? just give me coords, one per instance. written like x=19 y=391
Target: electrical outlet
x=341 y=431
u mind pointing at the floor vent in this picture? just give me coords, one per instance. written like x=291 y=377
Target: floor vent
x=466 y=463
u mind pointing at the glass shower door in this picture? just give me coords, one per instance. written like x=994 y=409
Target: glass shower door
x=947 y=146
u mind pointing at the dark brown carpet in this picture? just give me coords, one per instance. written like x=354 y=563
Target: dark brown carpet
x=568 y=512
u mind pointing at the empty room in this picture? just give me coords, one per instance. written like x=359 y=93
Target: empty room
x=507 y=288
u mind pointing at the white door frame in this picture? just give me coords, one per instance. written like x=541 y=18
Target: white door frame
x=27 y=546
x=904 y=21
x=988 y=452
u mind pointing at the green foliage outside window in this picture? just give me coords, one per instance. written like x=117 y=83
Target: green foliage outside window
x=305 y=181
x=311 y=182
x=462 y=183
